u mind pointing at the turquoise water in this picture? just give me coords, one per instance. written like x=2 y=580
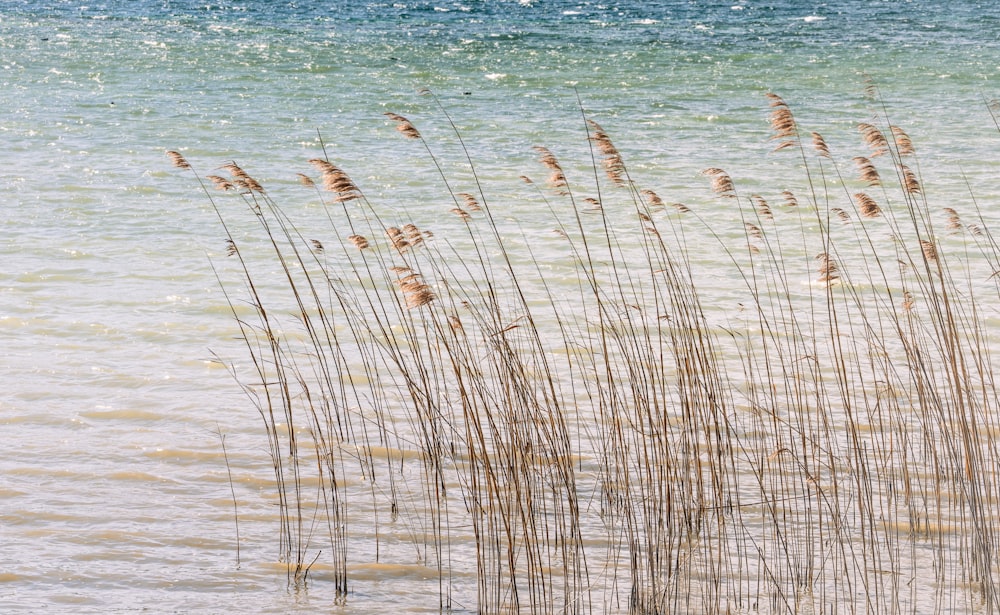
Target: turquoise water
x=115 y=495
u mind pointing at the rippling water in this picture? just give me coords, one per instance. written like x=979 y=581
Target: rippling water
x=115 y=494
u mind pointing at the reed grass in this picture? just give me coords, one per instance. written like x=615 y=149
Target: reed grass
x=602 y=436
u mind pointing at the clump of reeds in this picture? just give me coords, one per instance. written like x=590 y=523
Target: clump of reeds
x=607 y=436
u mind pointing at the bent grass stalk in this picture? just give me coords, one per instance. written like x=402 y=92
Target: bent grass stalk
x=601 y=436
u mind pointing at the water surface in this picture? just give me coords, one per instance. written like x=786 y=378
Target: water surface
x=115 y=494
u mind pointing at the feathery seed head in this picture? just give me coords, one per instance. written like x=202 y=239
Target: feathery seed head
x=910 y=182
x=874 y=138
x=722 y=184
x=904 y=147
x=178 y=160
x=220 y=183
x=404 y=126
x=929 y=250
x=867 y=205
x=866 y=171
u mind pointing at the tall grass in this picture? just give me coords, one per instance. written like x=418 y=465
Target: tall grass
x=598 y=434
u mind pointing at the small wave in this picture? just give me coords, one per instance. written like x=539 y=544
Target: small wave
x=812 y=18
x=382 y=571
x=178 y=455
x=123 y=414
x=135 y=476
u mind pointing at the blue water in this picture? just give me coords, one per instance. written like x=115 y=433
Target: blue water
x=114 y=495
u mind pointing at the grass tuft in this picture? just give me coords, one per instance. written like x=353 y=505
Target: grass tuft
x=587 y=421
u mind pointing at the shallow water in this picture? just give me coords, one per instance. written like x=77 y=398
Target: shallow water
x=115 y=493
